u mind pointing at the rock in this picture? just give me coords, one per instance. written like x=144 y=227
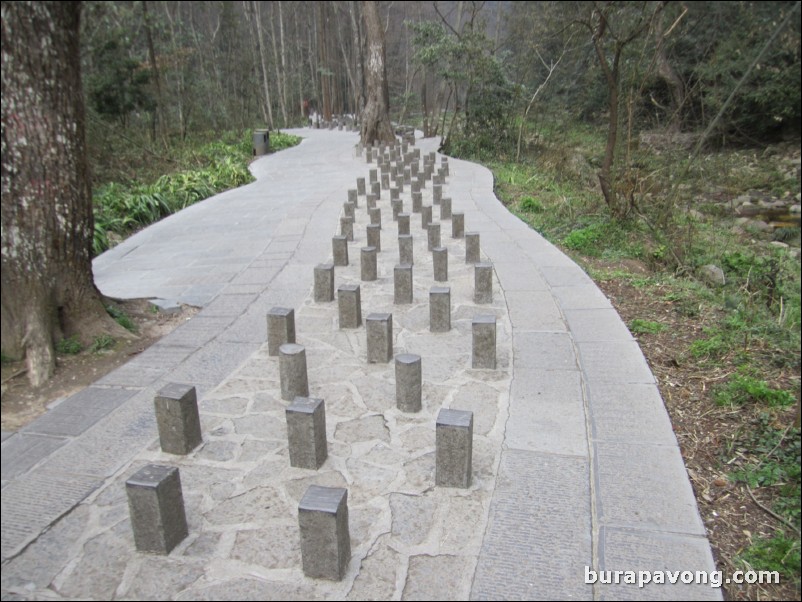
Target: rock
x=698 y=215
x=741 y=221
x=740 y=200
x=760 y=226
x=712 y=274
x=797 y=208
x=777 y=243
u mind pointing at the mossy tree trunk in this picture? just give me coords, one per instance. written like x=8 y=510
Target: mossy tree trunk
x=376 y=115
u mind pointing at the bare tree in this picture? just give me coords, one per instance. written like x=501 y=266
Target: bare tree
x=376 y=116
x=47 y=286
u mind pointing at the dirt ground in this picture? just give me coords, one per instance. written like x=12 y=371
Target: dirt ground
x=22 y=404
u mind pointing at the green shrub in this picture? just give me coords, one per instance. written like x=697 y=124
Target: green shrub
x=742 y=389
x=104 y=342
x=532 y=205
x=121 y=318
x=69 y=346
x=638 y=326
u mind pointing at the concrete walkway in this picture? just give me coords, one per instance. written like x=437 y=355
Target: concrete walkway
x=576 y=468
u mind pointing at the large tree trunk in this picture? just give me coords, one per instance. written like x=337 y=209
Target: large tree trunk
x=376 y=116
x=47 y=287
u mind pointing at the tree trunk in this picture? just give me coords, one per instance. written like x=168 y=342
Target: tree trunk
x=159 y=124
x=47 y=287
x=260 y=44
x=376 y=116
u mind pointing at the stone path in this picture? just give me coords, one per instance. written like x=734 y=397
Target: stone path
x=574 y=464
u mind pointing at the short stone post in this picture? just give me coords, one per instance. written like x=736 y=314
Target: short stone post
x=426 y=217
x=374 y=236
x=360 y=186
x=339 y=249
x=440 y=260
x=484 y=342
x=324 y=283
x=405 y=249
x=402 y=280
x=347 y=228
x=325 y=540
x=372 y=199
x=379 y=328
x=375 y=216
x=368 y=265
x=472 y=254
x=353 y=197
x=280 y=328
x=376 y=189
x=483 y=283
x=177 y=418
x=397 y=206
x=306 y=432
x=156 y=506
x=457 y=225
x=437 y=193
x=349 y=210
x=434 y=236
x=395 y=194
x=445 y=208
x=417 y=202
x=408 y=382
x=374 y=176
x=440 y=309
x=385 y=181
x=292 y=371
x=403 y=223
x=454 y=443
x=349 y=305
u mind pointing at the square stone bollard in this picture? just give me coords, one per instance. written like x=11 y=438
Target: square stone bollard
x=454 y=448
x=395 y=194
x=425 y=217
x=156 y=506
x=360 y=186
x=402 y=284
x=472 y=251
x=374 y=232
x=405 y=249
x=440 y=309
x=353 y=197
x=324 y=283
x=415 y=185
x=408 y=382
x=349 y=210
x=349 y=306
x=484 y=342
x=292 y=371
x=280 y=328
x=325 y=540
x=375 y=216
x=347 y=228
x=483 y=283
x=306 y=432
x=458 y=225
x=374 y=176
x=433 y=236
x=178 y=419
x=368 y=264
x=437 y=192
x=376 y=189
x=379 y=327
x=417 y=202
x=339 y=248
x=403 y=223
x=385 y=181
x=372 y=199
x=398 y=207
x=440 y=261
x=445 y=209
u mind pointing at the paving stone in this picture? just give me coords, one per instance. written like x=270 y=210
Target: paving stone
x=378 y=573
x=544 y=351
x=437 y=578
x=155 y=576
x=609 y=401
x=273 y=548
x=629 y=366
x=26 y=449
x=597 y=325
x=413 y=517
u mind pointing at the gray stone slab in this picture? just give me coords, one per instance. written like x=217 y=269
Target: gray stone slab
x=147 y=367
x=544 y=351
x=517 y=275
x=538 y=539
x=228 y=305
x=597 y=325
x=25 y=450
x=614 y=362
x=212 y=363
x=439 y=577
x=629 y=413
x=644 y=487
x=626 y=550
x=547 y=413
x=79 y=412
x=197 y=331
x=565 y=276
x=583 y=296
x=534 y=310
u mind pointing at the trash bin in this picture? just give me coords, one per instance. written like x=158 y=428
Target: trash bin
x=261 y=142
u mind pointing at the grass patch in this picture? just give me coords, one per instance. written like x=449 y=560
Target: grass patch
x=69 y=346
x=778 y=553
x=742 y=389
x=102 y=343
x=121 y=318
x=638 y=326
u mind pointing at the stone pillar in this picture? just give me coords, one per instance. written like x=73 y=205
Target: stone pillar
x=483 y=283
x=437 y=193
x=454 y=443
x=292 y=371
x=395 y=194
x=353 y=197
x=177 y=418
x=372 y=199
x=369 y=264
x=374 y=176
x=434 y=236
x=375 y=216
x=339 y=249
x=325 y=541
x=306 y=432
x=280 y=328
x=397 y=206
x=426 y=216
x=445 y=208
x=402 y=276
x=349 y=210
x=407 y=176
x=440 y=260
x=403 y=223
x=408 y=382
x=347 y=228
x=324 y=283
x=379 y=337
x=385 y=181
x=472 y=253
x=405 y=249
x=374 y=236
x=484 y=342
x=440 y=309
x=360 y=186
x=457 y=225
x=349 y=306
x=156 y=506
x=376 y=189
